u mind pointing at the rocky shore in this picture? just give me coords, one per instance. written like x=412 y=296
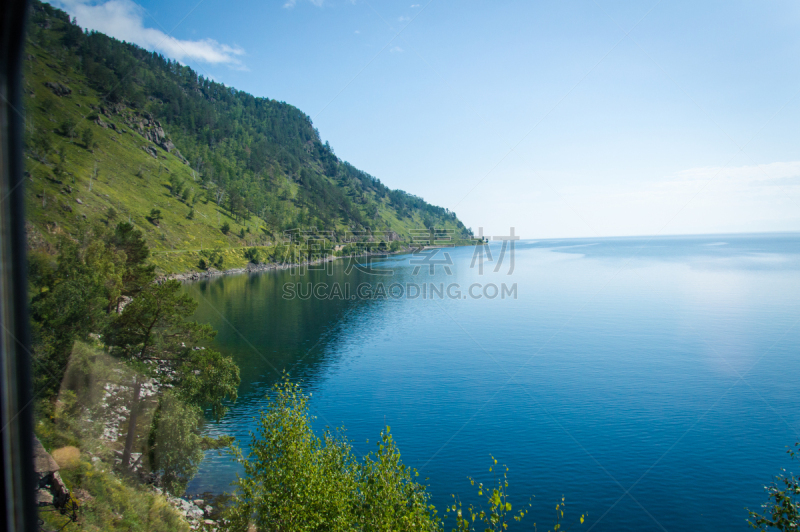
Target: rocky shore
x=262 y=267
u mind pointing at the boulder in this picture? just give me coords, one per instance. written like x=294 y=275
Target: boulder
x=43 y=463
x=167 y=145
x=59 y=491
x=82 y=496
x=58 y=88
x=151 y=150
x=43 y=497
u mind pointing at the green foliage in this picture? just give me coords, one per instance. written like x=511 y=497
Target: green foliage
x=115 y=505
x=225 y=228
x=208 y=378
x=253 y=255
x=72 y=295
x=39 y=145
x=67 y=127
x=153 y=331
x=212 y=258
x=190 y=216
x=176 y=185
x=782 y=511
x=153 y=327
x=174 y=446
x=155 y=216
x=498 y=513
x=87 y=137
x=255 y=156
x=138 y=274
x=295 y=480
x=208 y=443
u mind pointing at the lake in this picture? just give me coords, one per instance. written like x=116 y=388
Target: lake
x=650 y=381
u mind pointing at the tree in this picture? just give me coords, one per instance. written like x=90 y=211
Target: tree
x=252 y=255
x=67 y=127
x=783 y=510
x=111 y=215
x=72 y=295
x=225 y=228
x=190 y=216
x=87 y=137
x=155 y=216
x=152 y=332
x=176 y=185
x=40 y=145
x=174 y=446
x=138 y=274
x=295 y=480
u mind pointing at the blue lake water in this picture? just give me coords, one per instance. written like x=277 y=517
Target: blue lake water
x=653 y=382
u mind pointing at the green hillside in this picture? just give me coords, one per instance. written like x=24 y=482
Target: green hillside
x=114 y=132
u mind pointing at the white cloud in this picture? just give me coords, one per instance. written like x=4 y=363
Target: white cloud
x=124 y=20
x=403 y=19
x=396 y=49
x=357 y=32
x=414 y=5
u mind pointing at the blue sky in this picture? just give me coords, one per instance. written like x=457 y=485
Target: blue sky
x=560 y=119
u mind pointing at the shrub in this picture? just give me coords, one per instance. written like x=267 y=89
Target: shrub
x=295 y=480
x=211 y=259
x=174 y=447
x=87 y=137
x=253 y=255
x=782 y=511
x=225 y=228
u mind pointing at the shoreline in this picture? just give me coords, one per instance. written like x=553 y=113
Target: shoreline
x=265 y=267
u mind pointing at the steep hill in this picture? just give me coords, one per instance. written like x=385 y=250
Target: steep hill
x=115 y=132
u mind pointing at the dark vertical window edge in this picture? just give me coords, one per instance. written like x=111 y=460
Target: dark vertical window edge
x=16 y=401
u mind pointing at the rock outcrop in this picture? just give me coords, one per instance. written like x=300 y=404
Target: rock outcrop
x=50 y=489
x=58 y=89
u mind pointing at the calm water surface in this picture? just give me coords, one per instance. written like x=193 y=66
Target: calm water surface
x=652 y=382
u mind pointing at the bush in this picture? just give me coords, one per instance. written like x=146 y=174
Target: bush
x=783 y=508
x=253 y=255
x=87 y=137
x=114 y=505
x=174 y=447
x=211 y=259
x=225 y=228
x=295 y=480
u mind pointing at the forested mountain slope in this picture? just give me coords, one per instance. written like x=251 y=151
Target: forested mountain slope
x=115 y=132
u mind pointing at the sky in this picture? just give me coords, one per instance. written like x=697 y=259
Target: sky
x=556 y=118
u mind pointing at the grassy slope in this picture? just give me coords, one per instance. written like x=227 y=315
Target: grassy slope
x=129 y=179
